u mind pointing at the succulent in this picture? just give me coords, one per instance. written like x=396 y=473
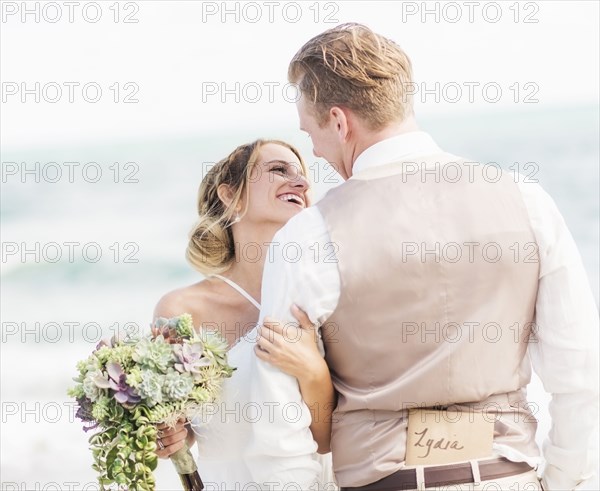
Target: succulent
x=214 y=345
x=123 y=355
x=167 y=328
x=200 y=394
x=93 y=383
x=77 y=391
x=190 y=358
x=109 y=343
x=211 y=380
x=177 y=385
x=101 y=409
x=134 y=377
x=185 y=326
x=124 y=394
x=102 y=354
x=128 y=385
x=150 y=387
x=85 y=413
x=87 y=365
x=153 y=353
x=174 y=330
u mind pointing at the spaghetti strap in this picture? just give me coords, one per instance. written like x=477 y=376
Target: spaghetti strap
x=237 y=287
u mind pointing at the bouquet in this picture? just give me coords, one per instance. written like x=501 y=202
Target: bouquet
x=128 y=386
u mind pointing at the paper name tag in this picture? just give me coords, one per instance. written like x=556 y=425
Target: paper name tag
x=443 y=437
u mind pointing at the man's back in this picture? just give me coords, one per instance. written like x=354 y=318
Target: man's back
x=439 y=276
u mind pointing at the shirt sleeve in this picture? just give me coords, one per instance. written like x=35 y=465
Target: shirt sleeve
x=300 y=269
x=565 y=349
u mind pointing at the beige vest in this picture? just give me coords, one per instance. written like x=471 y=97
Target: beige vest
x=439 y=276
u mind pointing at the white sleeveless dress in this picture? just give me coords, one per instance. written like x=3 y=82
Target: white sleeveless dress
x=223 y=432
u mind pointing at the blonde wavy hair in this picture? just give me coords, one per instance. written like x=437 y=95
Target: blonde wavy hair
x=351 y=66
x=211 y=248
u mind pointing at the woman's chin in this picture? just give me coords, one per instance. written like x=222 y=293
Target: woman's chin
x=282 y=217
x=293 y=212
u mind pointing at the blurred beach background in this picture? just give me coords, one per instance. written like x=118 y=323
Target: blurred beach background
x=152 y=154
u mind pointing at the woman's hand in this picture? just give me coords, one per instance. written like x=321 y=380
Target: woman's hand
x=171 y=439
x=294 y=350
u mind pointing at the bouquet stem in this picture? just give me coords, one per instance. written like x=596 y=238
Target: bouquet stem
x=187 y=469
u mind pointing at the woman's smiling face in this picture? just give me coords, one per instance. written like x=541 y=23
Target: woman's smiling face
x=277 y=188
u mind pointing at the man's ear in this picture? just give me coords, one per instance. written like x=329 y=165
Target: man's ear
x=339 y=117
x=225 y=194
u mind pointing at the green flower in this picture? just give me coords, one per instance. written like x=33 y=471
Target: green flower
x=214 y=344
x=101 y=408
x=77 y=392
x=94 y=384
x=167 y=413
x=91 y=390
x=154 y=354
x=200 y=394
x=102 y=354
x=122 y=355
x=150 y=387
x=84 y=366
x=212 y=378
x=185 y=326
x=177 y=385
x=88 y=365
x=134 y=378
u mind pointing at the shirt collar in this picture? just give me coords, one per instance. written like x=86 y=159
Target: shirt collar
x=394 y=149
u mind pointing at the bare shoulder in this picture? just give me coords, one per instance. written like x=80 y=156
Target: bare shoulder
x=192 y=299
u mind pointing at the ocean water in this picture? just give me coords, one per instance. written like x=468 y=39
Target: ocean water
x=88 y=252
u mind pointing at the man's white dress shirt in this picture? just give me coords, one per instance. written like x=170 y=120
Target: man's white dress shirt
x=301 y=268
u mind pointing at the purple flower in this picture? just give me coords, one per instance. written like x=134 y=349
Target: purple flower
x=84 y=413
x=190 y=358
x=124 y=394
x=108 y=342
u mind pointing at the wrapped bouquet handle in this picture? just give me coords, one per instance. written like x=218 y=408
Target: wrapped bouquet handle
x=187 y=469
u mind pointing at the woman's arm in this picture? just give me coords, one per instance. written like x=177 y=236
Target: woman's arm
x=318 y=394
x=294 y=350
x=170 y=305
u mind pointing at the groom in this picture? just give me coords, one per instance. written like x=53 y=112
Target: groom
x=437 y=285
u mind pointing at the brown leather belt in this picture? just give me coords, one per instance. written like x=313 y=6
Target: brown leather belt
x=445 y=475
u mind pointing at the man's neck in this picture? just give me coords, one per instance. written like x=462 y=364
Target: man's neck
x=370 y=138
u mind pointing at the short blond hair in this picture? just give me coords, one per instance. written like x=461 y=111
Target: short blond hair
x=351 y=66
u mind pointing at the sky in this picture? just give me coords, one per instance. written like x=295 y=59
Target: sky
x=116 y=70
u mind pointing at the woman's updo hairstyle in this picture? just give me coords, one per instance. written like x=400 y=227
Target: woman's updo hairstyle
x=211 y=248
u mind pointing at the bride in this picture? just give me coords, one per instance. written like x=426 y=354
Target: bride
x=242 y=202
